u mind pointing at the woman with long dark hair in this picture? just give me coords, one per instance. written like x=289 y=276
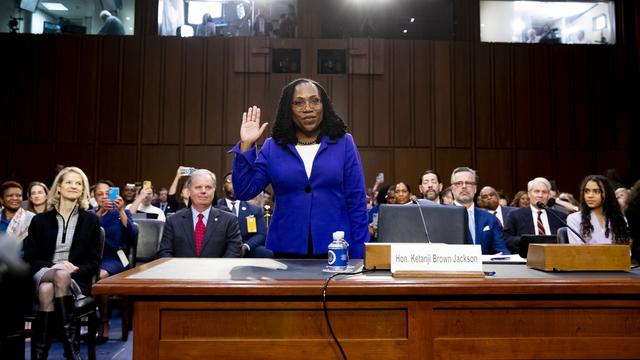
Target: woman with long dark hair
x=314 y=168
x=63 y=249
x=600 y=220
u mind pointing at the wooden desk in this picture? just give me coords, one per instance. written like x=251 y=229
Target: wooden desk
x=267 y=309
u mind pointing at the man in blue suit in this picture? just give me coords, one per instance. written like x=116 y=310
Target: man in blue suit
x=251 y=220
x=484 y=228
x=491 y=202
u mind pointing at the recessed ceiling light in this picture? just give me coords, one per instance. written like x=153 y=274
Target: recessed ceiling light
x=54 y=6
x=412 y=20
x=404 y=31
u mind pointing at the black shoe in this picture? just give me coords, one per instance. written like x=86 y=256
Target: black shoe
x=65 y=306
x=41 y=338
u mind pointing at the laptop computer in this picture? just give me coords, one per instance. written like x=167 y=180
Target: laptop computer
x=403 y=224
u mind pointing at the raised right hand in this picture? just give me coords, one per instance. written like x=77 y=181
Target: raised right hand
x=251 y=130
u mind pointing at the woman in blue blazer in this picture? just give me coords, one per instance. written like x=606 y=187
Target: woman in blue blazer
x=314 y=168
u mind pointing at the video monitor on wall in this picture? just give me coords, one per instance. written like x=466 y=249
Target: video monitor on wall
x=548 y=22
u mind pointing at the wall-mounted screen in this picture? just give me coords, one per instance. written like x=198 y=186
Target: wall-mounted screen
x=550 y=22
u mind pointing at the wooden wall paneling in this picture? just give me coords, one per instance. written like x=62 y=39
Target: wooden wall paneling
x=207 y=157
x=28 y=166
x=531 y=164
x=569 y=178
x=339 y=89
x=45 y=102
x=26 y=71
x=614 y=159
x=366 y=56
x=443 y=93
x=195 y=63
x=118 y=163
x=360 y=108
x=76 y=154
x=523 y=96
x=109 y=103
x=463 y=127
x=131 y=86
x=502 y=95
x=409 y=164
x=483 y=95
x=602 y=90
x=87 y=90
x=236 y=93
x=377 y=160
x=152 y=90
x=173 y=96
x=449 y=159
x=382 y=128
x=580 y=133
x=159 y=163
x=562 y=96
x=403 y=121
x=495 y=169
x=423 y=92
x=542 y=66
x=214 y=90
x=259 y=53
x=66 y=90
x=622 y=96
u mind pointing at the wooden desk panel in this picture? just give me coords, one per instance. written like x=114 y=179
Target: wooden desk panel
x=528 y=315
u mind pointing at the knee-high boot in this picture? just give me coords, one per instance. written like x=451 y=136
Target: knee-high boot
x=65 y=306
x=41 y=338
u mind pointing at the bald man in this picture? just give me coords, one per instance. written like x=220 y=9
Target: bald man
x=491 y=202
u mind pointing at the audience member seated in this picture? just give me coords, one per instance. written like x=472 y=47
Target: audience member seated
x=633 y=219
x=37 y=196
x=446 y=196
x=129 y=193
x=250 y=219
x=201 y=230
x=521 y=200
x=600 y=221
x=484 y=228
x=182 y=201
x=119 y=234
x=162 y=202
x=14 y=220
x=622 y=194
x=490 y=201
x=63 y=249
x=503 y=200
x=381 y=198
x=532 y=220
x=430 y=186
x=403 y=193
x=567 y=201
x=391 y=195
x=142 y=204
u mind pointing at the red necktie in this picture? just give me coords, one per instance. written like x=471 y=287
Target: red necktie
x=199 y=233
x=540 y=224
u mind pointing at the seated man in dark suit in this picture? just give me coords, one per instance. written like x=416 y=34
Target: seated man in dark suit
x=201 y=230
x=484 y=228
x=532 y=220
x=491 y=202
x=251 y=219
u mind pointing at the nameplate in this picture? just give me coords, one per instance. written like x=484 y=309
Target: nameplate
x=437 y=258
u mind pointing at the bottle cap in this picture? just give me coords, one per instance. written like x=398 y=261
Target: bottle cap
x=338 y=235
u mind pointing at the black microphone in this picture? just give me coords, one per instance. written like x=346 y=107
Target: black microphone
x=424 y=224
x=550 y=203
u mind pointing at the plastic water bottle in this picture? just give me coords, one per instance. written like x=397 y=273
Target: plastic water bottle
x=338 y=252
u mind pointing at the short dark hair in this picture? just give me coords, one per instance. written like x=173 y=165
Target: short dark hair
x=430 y=172
x=284 y=129
x=8 y=185
x=102 y=181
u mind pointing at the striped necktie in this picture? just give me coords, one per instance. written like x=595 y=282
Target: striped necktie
x=541 y=230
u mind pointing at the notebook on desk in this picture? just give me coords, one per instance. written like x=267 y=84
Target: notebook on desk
x=525 y=240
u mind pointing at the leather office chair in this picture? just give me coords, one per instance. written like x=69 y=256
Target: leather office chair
x=563 y=235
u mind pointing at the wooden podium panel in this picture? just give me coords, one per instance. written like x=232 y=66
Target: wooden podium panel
x=261 y=311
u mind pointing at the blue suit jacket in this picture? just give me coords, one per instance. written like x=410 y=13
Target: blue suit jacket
x=489 y=233
x=506 y=210
x=252 y=239
x=333 y=199
x=520 y=222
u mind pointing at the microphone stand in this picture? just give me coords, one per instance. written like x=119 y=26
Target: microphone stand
x=424 y=224
x=540 y=205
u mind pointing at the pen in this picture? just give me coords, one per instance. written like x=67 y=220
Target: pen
x=499 y=258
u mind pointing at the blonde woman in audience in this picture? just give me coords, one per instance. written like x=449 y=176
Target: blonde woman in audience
x=521 y=199
x=600 y=221
x=63 y=248
x=37 y=195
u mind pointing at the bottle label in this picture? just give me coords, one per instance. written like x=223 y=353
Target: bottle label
x=338 y=258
